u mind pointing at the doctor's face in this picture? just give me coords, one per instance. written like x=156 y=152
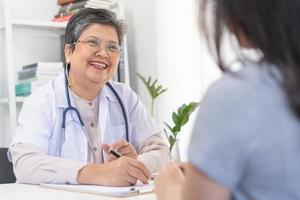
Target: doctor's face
x=95 y=57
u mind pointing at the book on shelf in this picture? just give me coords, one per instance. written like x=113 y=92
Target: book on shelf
x=26 y=73
x=43 y=67
x=30 y=66
x=26 y=88
x=49 y=66
x=97 y=3
x=68 y=9
x=100 y=4
x=63 y=2
x=62 y=18
x=97 y=7
x=43 y=64
x=106 y=1
x=35 y=75
x=35 y=69
x=71 y=6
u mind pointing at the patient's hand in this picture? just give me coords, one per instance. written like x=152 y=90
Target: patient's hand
x=169 y=182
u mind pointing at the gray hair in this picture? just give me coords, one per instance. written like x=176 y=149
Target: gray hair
x=88 y=16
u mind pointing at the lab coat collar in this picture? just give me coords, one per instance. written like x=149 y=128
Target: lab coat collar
x=61 y=99
x=106 y=91
x=60 y=92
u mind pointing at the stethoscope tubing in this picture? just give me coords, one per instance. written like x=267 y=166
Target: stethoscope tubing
x=71 y=108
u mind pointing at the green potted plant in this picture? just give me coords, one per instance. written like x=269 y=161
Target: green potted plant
x=153 y=89
x=180 y=118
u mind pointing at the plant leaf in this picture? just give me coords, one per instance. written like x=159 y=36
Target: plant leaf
x=181 y=109
x=168 y=126
x=175 y=118
x=149 y=80
x=171 y=140
x=159 y=87
x=176 y=129
x=146 y=83
x=182 y=115
x=162 y=91
x=166 y=133
x=153 y=89
x=154 y=82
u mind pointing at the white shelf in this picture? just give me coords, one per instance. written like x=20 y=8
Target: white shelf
x=47 y=25
x=18 y=100
x=39 y=24
x=4 y=100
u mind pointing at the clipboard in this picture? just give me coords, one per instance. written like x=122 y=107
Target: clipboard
x=104 y=190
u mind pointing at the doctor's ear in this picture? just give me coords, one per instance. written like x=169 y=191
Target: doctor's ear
x=68 y=52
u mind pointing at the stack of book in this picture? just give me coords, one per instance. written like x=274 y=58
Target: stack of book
x=35 y=75
x=70 y=7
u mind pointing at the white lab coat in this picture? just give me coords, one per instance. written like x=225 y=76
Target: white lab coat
x=40 y=120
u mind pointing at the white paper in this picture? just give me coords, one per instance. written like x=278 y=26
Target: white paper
x=105 y=190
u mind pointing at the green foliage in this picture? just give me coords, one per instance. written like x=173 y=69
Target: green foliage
x=179 y=119
x=153 y=89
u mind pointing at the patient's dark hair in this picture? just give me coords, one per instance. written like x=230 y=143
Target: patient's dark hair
x=88 y=16
x=273 y=26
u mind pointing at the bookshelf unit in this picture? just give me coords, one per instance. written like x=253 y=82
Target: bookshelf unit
x=27 y=35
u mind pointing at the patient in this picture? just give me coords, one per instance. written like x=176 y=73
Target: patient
x=246 y=141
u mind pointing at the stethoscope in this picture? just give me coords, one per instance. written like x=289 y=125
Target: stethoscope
x=71 y=108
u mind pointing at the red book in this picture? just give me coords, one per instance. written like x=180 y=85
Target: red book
x=62 y=18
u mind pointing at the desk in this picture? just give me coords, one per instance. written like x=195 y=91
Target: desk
x=18 y=191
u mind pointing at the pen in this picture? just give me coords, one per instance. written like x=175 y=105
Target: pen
x=153 y=175
x=141 y=190
x=115 y=153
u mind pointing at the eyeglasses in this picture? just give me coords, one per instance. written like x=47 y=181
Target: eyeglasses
x=94 y=44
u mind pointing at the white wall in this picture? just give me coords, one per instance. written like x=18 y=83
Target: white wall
x=142 y=43
x=184 y=63
x=164 y=43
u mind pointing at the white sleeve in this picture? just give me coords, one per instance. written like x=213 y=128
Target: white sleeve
x=142 y=124
x=36 y=121
x=154 y=152
x=32 y=165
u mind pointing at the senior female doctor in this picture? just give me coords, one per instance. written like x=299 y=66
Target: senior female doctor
x=67 y=128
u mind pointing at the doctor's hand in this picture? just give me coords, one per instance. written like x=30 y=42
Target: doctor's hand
x=169 y=182
x=123 y=171
x=123 y=147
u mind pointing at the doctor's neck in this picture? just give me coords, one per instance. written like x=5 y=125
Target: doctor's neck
x=86 y=91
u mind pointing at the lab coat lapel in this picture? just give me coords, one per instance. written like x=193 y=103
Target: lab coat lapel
x=61 y=98
x=104 y=121
x=103 y=113
x=80 y=153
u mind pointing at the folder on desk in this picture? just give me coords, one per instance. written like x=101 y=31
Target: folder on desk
x=105 y=190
